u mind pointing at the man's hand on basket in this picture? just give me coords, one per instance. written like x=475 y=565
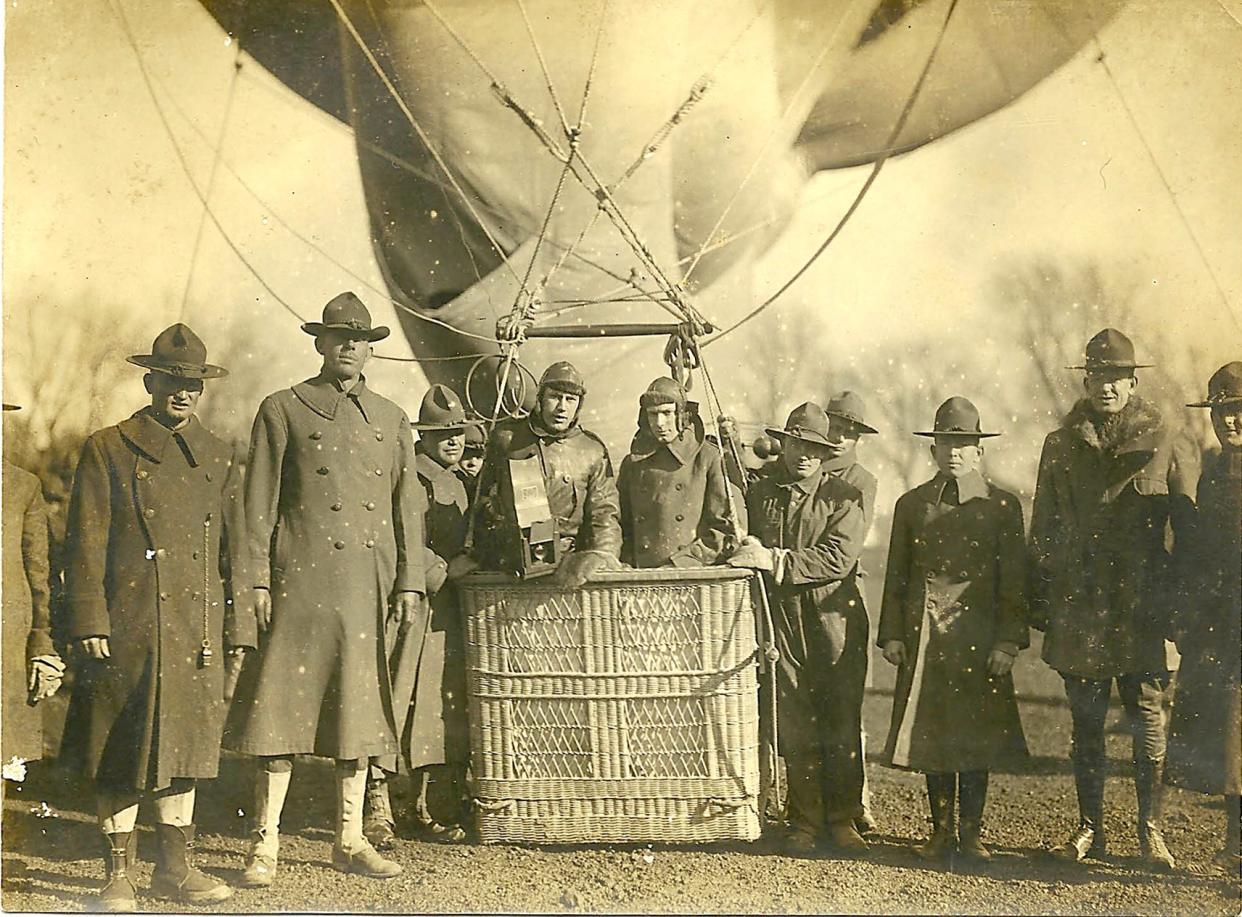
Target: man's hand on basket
x=461 y=565
x=752 y=555
x=580 y=567
x=895 y=652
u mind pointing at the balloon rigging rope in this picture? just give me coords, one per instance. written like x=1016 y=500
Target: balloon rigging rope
x=148 y=82
x=418 y=129
x=885 y=155
x=215 y=157
x=547 y=77
x=794 y=105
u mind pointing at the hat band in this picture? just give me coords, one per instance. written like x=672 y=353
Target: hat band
x=175 y=367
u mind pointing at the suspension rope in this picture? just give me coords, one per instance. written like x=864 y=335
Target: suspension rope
x=884 y=156
x=418 y=128
x=216 y=154
x=547 y=76
x=794 y=105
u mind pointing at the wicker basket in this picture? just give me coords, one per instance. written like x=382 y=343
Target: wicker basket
x=622 y=712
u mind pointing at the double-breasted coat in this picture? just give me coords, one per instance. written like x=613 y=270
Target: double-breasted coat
x=1107 y=501
x=581 y=490
x=435 y=730
x=1205 y=740
x=954 y=590
x=155 y=562
x=674 y=502
x=27 y=620
x=822 y=633
x=335 y=520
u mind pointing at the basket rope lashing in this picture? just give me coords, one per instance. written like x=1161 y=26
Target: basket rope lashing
x=493 y=806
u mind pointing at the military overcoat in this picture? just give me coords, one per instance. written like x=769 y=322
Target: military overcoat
x=435 y=730
x=1107 y=501
x=954 y=590
x=155 y=562
x=335 y=519
x=581 y=489
x=27 y=623
x=674 y=505
x=1205 y=742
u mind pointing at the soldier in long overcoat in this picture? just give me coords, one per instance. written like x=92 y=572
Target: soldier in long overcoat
x=33 y=670
x=847 y=425
x=335 y=519
x=157 y=589
x=578 y=480
x=1205 y=741
x=954 y=619
x=674 y=503
x=807 y=528
x=427 y=662
x=1110 y=492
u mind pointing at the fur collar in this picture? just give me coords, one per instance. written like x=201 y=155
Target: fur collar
x=1136 y=428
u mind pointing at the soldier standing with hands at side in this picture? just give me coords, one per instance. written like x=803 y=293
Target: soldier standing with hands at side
x=157 y=589
x=335 y=518
x=953 y=620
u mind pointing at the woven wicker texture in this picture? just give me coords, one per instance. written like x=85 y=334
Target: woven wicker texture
x=626 y=711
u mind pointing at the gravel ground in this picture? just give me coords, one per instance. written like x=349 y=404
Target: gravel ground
x=50 y=850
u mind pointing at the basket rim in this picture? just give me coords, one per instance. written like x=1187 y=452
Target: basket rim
x=645 y=577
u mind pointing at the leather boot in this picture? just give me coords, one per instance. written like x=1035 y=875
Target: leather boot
x=176 y=877
x=352 y=852
x=1149 y=788
x=972 y=796
x=1088 y=840
x=121 y=860
x=378 y=825
x=270 y=789
x=941 y=798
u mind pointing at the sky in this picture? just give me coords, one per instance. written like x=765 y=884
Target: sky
x=99 y=218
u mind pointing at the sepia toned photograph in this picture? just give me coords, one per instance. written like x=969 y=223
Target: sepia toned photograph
x=622 y=456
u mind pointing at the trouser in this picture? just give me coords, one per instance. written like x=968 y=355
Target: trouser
x=819 y=712
x=118 y=811
x=1142 y=695
x=970 y=791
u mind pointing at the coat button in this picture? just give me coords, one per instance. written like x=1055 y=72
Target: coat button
x=379 y=437
x=194 y=555
x=335 y=507
x=164 y=596
x=369 y=543
x=681 y=486
x=142 y=474
x=340 y=545
x=316 y=435
x=680 y=518
x=566 y=478
x=379 y=471
x=209 y=477
x=323 y=470
x=931 y=574
x=149 y=512
x=370 y=505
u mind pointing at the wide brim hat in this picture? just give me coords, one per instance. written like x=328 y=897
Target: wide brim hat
x=346 y=312
x=849 y=407
x=476 y=435
x=957 y=417
x=440 y=411
x=806 y=422
x=1224 y=388
x=1110 y=349
x=177 y=351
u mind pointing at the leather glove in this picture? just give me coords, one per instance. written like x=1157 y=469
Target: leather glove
x=754 y=556
x=46 y=675
x=461 y=565
x=579 y=567
x=1000 y=663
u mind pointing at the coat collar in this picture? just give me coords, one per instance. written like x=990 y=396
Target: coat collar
x=683 y=449
x=428 y=467
x=543 y=434
x=841 y=463
x=807 y=485
x=961 y=490
x=1136 y=429
x=324 y=396
x=152 y=438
